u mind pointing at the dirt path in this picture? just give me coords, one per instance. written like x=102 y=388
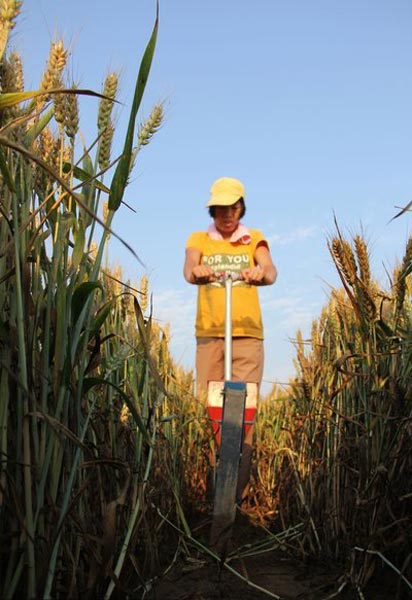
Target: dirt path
x=269 y=574
x=267 y=578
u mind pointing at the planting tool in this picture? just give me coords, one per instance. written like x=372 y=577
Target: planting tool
x=232 y=408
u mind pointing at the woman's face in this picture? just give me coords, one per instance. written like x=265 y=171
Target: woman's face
x=227 y=218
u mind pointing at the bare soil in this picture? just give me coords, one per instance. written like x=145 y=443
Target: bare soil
x=273 y=574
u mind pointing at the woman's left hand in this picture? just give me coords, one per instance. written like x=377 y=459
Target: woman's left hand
x=254 y=275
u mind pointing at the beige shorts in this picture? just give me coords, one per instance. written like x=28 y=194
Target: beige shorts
x=247 y=361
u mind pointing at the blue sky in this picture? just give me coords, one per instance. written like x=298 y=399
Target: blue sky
x=309 y=103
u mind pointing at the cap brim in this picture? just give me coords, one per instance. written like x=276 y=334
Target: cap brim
x=223 y=200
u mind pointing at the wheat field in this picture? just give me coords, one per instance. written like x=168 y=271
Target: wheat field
x=104 y=448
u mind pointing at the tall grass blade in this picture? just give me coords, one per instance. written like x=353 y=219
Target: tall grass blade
x=122 y=172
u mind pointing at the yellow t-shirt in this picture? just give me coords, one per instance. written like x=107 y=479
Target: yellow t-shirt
x=223 y=255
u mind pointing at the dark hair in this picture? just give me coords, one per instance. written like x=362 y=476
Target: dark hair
x=212 y=211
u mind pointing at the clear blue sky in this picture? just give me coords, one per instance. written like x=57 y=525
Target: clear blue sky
x=308 y=102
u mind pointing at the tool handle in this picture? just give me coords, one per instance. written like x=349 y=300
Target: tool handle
x=228 y=328
x=226 y=278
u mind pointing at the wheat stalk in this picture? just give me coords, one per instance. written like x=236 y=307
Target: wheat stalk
x=9 y=11
x=345 y=260
x=71 y=121
x=56 y=63
x=363 y=260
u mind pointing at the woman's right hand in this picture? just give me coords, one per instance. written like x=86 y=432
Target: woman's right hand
x=203 y=274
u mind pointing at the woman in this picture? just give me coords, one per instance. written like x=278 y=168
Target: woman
x=229 y=246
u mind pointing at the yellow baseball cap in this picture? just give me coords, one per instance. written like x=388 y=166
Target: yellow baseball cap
x=225 y=192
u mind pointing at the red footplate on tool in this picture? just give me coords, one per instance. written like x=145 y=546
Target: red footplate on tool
x=249 y=419
x=215 y=406
x=215 y=414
